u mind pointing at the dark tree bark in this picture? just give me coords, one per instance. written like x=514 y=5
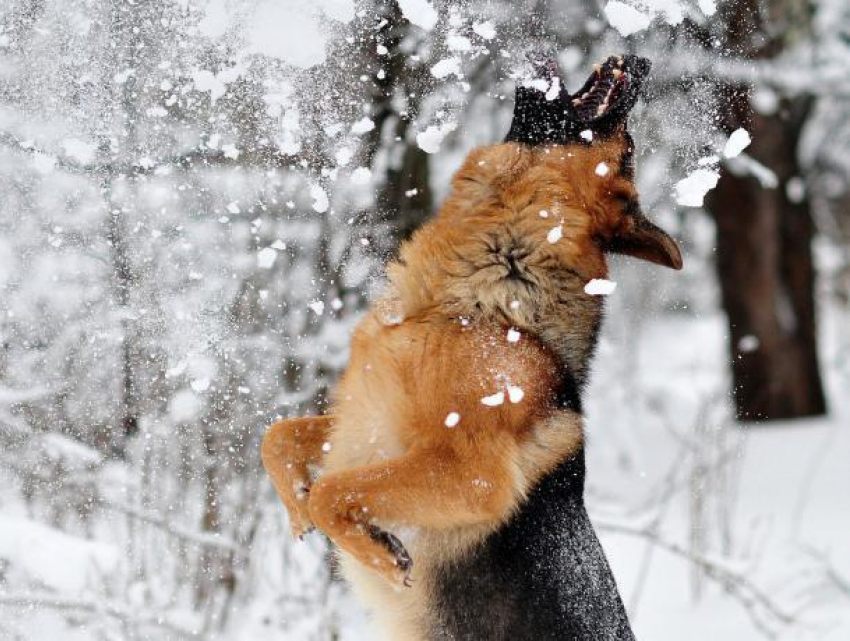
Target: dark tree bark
x=764 y=255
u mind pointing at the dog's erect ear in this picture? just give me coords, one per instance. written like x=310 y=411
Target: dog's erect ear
x=643 y=239
x=545 y=112
x=540 y=115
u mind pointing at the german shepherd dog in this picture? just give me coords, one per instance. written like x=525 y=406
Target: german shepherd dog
x=452 y=463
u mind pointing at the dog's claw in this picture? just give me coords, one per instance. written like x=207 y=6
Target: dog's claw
x=395 y=547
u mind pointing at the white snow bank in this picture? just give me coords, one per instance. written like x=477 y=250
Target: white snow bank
x=57 y=560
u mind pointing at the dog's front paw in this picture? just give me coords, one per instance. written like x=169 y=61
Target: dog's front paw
x=398 y=570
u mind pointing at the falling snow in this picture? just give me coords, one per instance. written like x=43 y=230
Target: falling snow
x=738 y=141
x=452 y=419
x=198 y=201
x=494 y=400
x=691 y=191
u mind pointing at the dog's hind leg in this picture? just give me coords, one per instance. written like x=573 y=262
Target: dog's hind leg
x=289 y=447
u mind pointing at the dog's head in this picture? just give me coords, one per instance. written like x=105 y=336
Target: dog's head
x=586 y=133
x=532 y=218
x=567 y=161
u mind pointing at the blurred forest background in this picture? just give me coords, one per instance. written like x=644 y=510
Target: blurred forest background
x=196 y=201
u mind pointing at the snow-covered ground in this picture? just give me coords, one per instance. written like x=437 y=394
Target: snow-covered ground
x=786 y=491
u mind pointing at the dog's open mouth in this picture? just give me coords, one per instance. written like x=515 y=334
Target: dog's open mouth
x=611 y=84
x=606 y=86
x=602 y=105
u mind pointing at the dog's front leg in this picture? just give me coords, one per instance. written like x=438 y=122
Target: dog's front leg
x=289 y=447
x=435 y=488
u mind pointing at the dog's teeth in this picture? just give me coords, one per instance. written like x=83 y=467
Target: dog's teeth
x=576 y=102
x=617 y=73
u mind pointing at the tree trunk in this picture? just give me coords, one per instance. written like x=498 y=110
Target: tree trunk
x=764 y=260
x=764 y=254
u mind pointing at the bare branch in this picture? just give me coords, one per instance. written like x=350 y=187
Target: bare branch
x=754 y=600
x=205 y=539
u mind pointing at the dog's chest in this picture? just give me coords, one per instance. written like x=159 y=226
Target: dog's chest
x=404 y=382
x=369 y=405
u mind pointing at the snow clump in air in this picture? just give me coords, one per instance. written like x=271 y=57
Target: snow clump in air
x=361 y=176
x=419 y=12
x=691 y=190
x=600 y=287
x=266 y=258
x=446 y=67
x=625 y=18
x=708 y=7
x=633 y=16
x=515 y=393
x=484 y=29
x=494 y=400
x=738 y=141
x=320 y=199
x=363 y=126
x=430 y=140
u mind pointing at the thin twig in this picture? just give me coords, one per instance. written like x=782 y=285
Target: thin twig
x=205 y=539
x=746 y=592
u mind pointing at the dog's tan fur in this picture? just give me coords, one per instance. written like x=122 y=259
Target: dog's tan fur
x=438 y=343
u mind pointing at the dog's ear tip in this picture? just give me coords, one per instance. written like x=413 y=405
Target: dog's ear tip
x=674 y=257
